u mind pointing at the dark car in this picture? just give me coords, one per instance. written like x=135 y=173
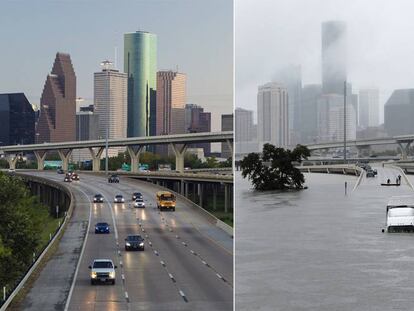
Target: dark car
x=98 y=198
x=370 y=173
x=60 y=171
x=67 y=179
x=113 y=179
x=102 y=227
x=134 y=242
x=136 y=195
x=74 y=176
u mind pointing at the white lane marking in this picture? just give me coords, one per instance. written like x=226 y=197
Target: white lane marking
x=155 y=252
x=126 y=296
x=185 y=244
x=119 y=252
x=150 y=243
x=120 y=263
x=162 y=262
x=219 y=276
x=123 y=277
x=113 y=217
x=171 y=277
x=204 y=262
x=177 y=237
x=183 y=295
x=81 y=253
x=193 y=252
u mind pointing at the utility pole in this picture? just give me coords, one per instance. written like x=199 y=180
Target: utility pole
x=345 y=121
x=106 y=152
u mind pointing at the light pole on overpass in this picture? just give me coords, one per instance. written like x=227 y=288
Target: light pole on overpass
x=345 y=121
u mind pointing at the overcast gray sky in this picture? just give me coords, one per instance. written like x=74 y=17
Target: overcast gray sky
x=195 y=35
x=271 y=34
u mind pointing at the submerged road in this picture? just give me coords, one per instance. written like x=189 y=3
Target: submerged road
x=320 y=249
x=187 y=263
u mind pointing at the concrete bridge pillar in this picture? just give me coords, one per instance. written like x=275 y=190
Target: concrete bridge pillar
x=134 y=154
x=226 y=198
x=40 y=157
x=12 y=159
x=96 y=158
x=214 y=196
x=405 y=148
x=65 y=158
x=179 y=150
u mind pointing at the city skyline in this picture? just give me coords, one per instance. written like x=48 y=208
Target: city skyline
x=374 y=37
x=192 y=49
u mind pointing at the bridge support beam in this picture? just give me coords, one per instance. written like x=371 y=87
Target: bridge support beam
x=134 y=154
x=179 y=150
x=405 y=148
x=96 y=158
x=12 y=159
x=65 y=158
x=226 y=198
x=40 y=158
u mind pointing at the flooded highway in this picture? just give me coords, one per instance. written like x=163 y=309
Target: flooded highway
x=319 y=249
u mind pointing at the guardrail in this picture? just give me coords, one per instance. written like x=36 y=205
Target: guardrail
x=345 y=169
x=6 y=302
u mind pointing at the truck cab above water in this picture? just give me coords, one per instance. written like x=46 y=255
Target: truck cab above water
x=400 y=214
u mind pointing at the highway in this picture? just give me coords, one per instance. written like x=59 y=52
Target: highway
x=319 y=249
x=187 y=263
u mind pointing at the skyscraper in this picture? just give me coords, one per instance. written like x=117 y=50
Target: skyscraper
x=334 y=68
x=226 y=125
x=198 y=121
x=309 y=112
x=243 y=125
x=273 y=115
x=140 y=64
x=368 y=107
x=110 y=102
x=399 y=113
x=58 y=103
x=17 y=120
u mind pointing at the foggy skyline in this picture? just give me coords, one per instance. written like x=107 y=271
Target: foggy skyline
x=272 y=35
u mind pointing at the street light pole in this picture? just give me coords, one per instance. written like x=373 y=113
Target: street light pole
x=345 y=121
x=106 y=152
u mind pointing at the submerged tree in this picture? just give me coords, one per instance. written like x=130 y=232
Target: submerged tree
x=274 y=169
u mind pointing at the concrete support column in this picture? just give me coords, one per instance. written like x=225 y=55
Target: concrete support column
x=404 y=149
x=134 y=154
x=65 y=158
x=12 y=159
x=186 y=189
x=214 y=196
x=179 y=150
x=226 y=198
x=40 y=157
x=200 y=193
x=96 y=158
x=182 y=186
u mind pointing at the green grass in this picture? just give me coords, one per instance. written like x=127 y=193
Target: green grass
x=50 y=227
x=225 y=217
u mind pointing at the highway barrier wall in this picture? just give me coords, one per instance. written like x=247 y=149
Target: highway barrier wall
x=345 y=169
x=51 y=194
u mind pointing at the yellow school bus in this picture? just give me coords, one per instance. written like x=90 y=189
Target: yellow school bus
x=166 y=200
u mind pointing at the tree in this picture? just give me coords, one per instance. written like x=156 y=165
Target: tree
x=274 y=169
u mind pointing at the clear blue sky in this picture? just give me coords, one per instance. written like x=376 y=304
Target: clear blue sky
x=195 y=35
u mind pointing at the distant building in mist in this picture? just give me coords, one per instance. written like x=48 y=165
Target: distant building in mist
x=273 y=115
x=226 y=125
x=245 y=131
x=334 y=60
x=291 y=77
x=198 y=121
x=309 y=111
x=368 y=108
x=399 y=113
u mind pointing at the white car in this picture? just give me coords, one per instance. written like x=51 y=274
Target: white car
x=139 y=203
x=400 y=214
x=119 y=199
x=102 y=270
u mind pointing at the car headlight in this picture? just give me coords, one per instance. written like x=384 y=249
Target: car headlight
x=112 y=275
x=96 y=228
x=93 y=275
x=122 y=199
x=128 y=244
x=107 y=228
x=141 y=244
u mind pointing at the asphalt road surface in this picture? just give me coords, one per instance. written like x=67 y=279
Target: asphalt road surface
x=187 y=263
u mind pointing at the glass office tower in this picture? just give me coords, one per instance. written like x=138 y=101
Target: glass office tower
x=140 y=63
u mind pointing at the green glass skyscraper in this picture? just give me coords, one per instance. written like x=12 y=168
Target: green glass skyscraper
x=140 y=63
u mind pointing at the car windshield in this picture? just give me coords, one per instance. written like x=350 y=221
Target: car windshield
x=102 y=264
x=98 y=196
x=134 y=238
x=401 y=211
x=119 y=196
x=102 y=224
x=139 y=200
x=165 y=198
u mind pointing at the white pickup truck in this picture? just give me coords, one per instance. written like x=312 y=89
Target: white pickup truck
x=102 y=270
x=400 y=214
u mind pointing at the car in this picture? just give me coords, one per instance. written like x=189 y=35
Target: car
x=74 y=176
x=136 y=195
x=98 y=198
x=102 y=227
x=139 y=203
x=119 y=199
x=69 y=173
x=370 y=173
x=375 y=172
x=60 y=171
x=400 y=214
x=67 y=179
x=113 y=179
x=103 y=270
x=134 y=242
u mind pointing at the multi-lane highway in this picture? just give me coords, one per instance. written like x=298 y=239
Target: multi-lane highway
x=187 y=263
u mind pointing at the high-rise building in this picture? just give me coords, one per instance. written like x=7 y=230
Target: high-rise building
x=309 y=112
x=58 y=103
x=291 y=77
x=198 y=121
x=140 y=64
x=243 y=125
x=334 y=60
x=17 y=120
x=368 y=108
x=110 y=103
x=226 y=125
x=273 y=115
x=87 y=126
x=399 y=113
